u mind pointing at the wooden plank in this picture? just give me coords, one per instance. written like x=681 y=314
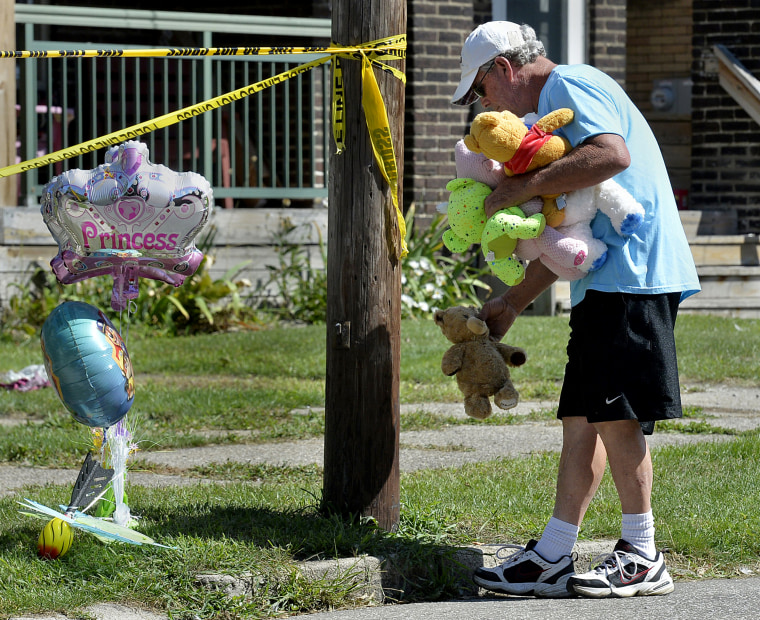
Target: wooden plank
x=17 y=264
x=251 y=263
x=19 y=226
x=22 y=226
x=260 y=226
x=738 y=82
x=244 y=236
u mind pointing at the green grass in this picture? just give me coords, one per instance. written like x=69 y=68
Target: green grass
x=262 y=520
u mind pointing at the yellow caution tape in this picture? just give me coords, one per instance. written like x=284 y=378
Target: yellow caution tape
x=386 y=48
x=160 y=122
x=370 y=54
x=382 y=141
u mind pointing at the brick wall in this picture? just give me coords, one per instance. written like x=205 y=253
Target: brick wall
x=436 y=31
x=659 y=48
x=725 y=141
x=606 y=25
x=482 y=11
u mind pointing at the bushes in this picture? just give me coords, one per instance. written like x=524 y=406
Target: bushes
x=429 y=279
x=432 y=279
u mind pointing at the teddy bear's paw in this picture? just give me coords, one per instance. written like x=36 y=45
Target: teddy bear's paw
x=506 y=401
x=454 y=242
x=508 y=270
x=580 y=258
x=567 y=251
x=478 y=407
x=596 y=255
x=631 y=223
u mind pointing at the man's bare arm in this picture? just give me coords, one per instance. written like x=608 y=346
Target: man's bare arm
x=597 y=159
x=499 y=313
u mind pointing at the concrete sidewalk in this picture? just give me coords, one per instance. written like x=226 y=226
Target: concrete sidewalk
x=724 y=406
x=734 y=599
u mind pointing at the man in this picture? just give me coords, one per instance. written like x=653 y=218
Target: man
x=621 y=374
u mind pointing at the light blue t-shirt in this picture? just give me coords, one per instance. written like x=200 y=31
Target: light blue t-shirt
x=656 y=258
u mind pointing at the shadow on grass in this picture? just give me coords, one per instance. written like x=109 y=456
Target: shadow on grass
x=414 y=566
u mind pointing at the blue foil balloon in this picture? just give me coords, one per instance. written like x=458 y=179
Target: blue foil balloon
x=87 y=362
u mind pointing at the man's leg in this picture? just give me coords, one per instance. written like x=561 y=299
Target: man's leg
x=546 y=573
x=629 y=570
x=631 y=467
x=581 y=467
x=630 y=463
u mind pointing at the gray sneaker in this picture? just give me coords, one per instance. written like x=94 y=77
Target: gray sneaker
x=527 y=573
x=624 y=573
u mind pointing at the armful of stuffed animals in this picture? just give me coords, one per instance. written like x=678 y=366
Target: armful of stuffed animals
x=597 y=159
x=500 y=313
x=451 y=363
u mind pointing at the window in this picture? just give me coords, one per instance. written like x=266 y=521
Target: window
x=559 y=24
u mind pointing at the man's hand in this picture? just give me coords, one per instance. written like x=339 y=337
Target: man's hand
x=499 y=315
x=510 y=191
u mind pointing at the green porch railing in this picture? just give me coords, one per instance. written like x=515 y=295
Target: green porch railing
x=268 y=148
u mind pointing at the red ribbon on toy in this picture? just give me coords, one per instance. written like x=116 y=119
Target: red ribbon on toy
x=530 y=145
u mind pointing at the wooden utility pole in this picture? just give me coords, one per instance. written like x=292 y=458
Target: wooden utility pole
x=8 y=185
x=361 y=475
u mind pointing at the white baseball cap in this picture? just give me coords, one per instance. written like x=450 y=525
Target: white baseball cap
x=484 y=43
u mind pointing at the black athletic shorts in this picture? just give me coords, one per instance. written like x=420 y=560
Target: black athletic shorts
x=622 y=359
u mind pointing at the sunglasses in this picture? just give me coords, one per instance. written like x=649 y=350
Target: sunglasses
x=478 y=88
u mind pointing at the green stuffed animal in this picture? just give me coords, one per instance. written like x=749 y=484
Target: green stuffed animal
x=497 y=235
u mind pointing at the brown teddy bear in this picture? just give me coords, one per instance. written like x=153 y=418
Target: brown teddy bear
x=504 y=137
x=480 y=364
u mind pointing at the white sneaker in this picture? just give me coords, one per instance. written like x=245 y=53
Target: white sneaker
x=624 y=573
x=527 y=573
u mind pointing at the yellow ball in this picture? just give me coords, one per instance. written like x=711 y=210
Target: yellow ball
x=55 y=539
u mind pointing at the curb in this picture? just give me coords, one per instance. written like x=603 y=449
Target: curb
x=381 y=580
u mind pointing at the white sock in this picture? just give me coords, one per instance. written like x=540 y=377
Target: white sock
x=557 y=540
x=638 y=529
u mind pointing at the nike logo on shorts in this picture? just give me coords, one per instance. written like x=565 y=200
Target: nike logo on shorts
x=609 y=401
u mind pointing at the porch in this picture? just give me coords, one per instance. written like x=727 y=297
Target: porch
x=267 y=149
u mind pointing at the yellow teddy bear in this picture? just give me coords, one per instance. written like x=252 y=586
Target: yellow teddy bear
x=504 y=137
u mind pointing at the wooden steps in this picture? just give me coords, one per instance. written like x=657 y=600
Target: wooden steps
x=728 y=266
